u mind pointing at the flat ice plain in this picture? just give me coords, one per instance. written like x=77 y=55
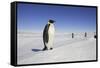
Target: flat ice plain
x=65 y=48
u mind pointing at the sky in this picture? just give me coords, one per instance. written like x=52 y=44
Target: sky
x=34 y=17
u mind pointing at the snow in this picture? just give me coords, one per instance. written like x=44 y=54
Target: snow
x=65 y=48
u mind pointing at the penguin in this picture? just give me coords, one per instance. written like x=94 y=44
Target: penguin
x=48 y=35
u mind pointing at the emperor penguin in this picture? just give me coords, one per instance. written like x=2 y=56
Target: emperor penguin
x=48 y=35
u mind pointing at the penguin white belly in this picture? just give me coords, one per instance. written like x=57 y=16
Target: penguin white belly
x=51 y=32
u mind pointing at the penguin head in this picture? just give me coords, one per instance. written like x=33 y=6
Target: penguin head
x=51 y=21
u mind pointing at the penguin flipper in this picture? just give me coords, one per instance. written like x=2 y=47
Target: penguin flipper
x=45 y=33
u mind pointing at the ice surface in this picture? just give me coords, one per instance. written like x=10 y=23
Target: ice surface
x=65 y=48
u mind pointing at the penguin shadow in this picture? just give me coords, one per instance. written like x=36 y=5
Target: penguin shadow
x=36 y=50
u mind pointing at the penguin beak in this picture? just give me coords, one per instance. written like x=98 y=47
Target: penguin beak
x=53 y=21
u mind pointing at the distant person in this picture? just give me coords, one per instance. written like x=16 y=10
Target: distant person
x=72 y=35
x=85 y=34
x=95 y=36
x=48 y=35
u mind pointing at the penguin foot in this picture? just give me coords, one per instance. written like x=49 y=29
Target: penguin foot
x=51 y=48
x=44 y=49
